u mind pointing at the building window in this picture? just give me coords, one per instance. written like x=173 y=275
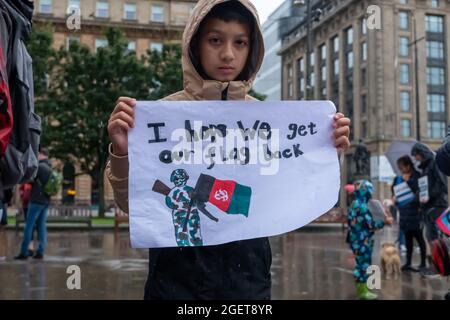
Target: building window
x=323 y=52
x=434 y=24
x=336 y=67
x=435 y=76
x=403 y=21
x=336 y=44
x=45 y=6
x=364 y=51
x=100 y=43
x=131 y=46
x=324 y=73
x=405 y=101
x=436 y=103
x=436 y=129
x=404 y=73
x=73 y=6
x=404 y=47
x=129 y=11
x=290 y=71
x=435 y=49
x=350 y=60
x=405 y=128
x=312 y=59
x=302 y=87
x=403 y=1
x=363 y=26
x=156 y=46
x=301 y=65
x=290 y=90
x=157 y=13
x=435 y=3
x=349 y=33
x=102 y=9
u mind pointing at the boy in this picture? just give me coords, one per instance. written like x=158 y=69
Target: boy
x=222 y=52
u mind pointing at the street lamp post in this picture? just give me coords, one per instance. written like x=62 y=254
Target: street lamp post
x=309 y=45
x=416 y=71
x=308 y=50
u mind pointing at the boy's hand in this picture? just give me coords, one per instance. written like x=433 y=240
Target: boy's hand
x=120 y=121
x=341 y=133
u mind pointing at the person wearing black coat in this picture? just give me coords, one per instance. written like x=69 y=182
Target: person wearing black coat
x=443 y=155
x=437 y=188
x=408 y=205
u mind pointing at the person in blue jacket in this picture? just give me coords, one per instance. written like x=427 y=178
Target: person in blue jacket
x=407 y=201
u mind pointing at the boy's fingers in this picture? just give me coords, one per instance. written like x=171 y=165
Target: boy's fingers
x=123 y=116
x=343 y=131
x=342 y=142
x=123 y=107
x=338 y=115
x=127 y=100
x=343 y=122
x=118 y=124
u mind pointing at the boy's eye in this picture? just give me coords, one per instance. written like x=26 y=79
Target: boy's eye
x=214 y=40
x=241 y=43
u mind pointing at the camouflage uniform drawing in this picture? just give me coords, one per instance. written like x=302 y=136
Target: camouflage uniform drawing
x=186 y=219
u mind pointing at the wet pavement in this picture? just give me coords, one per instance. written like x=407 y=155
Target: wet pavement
x=314 y=263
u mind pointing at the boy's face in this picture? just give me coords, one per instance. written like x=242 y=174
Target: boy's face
x=224 y=48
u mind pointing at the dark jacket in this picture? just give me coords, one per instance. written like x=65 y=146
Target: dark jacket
x=238 y=270
x=37 y=191
x=410 y=218
x=437 y=182
x=443 y=155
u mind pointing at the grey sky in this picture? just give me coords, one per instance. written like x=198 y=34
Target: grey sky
x=266 y=7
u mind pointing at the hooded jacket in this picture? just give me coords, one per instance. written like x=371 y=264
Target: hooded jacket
x=437 y=183
x=361 y=225
x=37 y=190
x=238 y=270
x=443 y=155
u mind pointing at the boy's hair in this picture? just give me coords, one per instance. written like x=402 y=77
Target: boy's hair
x=405 y=161
x=229 y=11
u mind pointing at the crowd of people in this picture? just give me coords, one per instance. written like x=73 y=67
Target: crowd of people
x=418 y=204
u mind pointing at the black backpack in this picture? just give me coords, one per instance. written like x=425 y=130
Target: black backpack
x=20 y=162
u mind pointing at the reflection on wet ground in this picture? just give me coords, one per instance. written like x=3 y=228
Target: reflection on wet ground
x=309 y=264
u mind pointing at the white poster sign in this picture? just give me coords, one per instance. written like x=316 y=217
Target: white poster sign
x=211 y=172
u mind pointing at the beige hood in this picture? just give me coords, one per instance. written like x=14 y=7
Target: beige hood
x=198 y=88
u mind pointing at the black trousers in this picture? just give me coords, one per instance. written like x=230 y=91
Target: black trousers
x=410 y=235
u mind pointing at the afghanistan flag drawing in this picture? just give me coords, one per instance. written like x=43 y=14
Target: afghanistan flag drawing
x=227 y=195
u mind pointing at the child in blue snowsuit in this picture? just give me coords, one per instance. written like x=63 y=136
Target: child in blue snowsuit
x=360 y=236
